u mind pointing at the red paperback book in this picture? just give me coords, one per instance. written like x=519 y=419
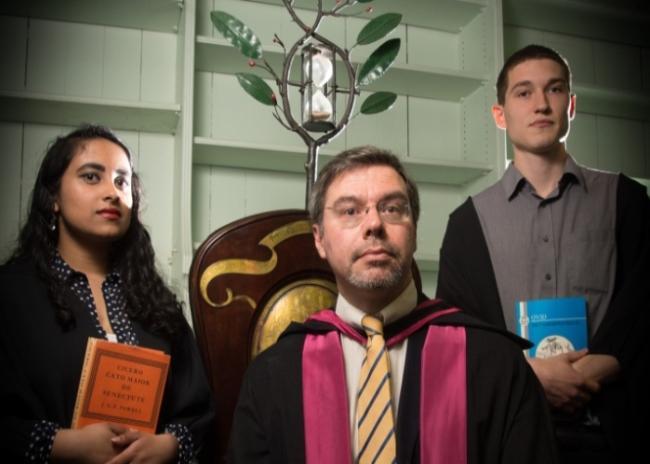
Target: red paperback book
x=121 y=384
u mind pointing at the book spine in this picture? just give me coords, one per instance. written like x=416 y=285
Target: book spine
x=83 y=381
x=523 y=322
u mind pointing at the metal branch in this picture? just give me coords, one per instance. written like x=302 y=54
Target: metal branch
x=311 y=165
x=276 y=115
x=292 y=12
x=277 y=40
x=267 y=67
x=339 y=6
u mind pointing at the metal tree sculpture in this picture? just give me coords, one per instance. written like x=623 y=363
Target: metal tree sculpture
x=316 y=52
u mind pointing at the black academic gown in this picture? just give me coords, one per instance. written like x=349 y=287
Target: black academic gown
x=466 y=279
x=41 y=364
x=508 y=421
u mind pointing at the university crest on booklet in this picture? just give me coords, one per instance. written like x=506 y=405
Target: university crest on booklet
x=553 y=325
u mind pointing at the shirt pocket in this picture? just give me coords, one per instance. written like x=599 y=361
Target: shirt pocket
x=591 y=261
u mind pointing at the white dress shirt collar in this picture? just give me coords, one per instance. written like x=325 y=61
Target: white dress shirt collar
x=393 y=311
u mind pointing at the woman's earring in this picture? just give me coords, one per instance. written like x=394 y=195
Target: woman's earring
x=53 y=223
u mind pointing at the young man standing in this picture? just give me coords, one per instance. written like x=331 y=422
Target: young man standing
x=388 y=376
x=552 y=228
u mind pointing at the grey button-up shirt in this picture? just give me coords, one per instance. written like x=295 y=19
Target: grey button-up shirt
x=562 y=245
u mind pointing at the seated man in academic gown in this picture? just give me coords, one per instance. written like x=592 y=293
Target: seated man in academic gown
x=389 y=375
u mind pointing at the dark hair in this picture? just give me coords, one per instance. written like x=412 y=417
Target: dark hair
x=530 y=52
x=354 y=158
x=148 y=300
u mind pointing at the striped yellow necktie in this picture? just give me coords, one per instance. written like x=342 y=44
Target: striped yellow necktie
x=375 y=418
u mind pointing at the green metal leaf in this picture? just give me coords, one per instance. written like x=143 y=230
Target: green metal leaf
x=257 y=88
x=237 y=33
x=378 y=102
x=378 y=28
x=378 y=63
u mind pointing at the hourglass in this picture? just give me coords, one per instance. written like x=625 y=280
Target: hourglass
x=319 y=102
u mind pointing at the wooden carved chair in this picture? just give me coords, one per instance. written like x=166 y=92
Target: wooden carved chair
x=248 y=281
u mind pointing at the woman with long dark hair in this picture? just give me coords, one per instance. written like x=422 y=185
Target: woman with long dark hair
x=84 y=267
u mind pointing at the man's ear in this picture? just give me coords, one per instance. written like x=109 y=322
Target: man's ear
x=317 y=232
x=499 y=117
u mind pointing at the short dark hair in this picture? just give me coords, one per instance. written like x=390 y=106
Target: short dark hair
x=355 y=158
x=530 y=52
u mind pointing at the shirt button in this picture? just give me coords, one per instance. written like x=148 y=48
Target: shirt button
x=547 y=277
x=545 y=238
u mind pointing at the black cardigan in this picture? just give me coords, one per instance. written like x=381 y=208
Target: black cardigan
x=41 y=364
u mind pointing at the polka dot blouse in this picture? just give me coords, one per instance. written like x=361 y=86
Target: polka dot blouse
x=43 y=432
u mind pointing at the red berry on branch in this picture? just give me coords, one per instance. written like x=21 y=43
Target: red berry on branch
x=251 y=63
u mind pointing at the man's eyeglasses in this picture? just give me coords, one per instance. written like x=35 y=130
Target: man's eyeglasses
x=390 y=211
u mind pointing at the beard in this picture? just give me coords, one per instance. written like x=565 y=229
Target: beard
x=390 y=279
x=392 y=275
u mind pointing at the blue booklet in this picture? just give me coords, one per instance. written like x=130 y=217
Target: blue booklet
x=553 y=325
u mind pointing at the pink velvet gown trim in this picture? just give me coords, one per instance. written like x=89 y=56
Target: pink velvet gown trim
x=443 y=392
x=325 y=400
x=443 y=397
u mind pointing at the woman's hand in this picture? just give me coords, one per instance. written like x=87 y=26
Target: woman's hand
x=139 y=447
x=90 y=444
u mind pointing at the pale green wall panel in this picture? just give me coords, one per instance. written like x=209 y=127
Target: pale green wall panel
x=203 y=23
x=516 y=37
x=227 y=196
x=201 y=176
x=478 y=132
x=436 y=203
x=475 y=54
x=432 y=48
x=46 y=55
x=582 y=143
x=620 y=145
x=617 y=66
x=223 y=195
x=202 y=104
x=13 y=43
x=158 y=67
x=429 y=283
x=156 y=164
x=433 y=129
x=579 y=52
x=386 y=130
x=11 y=140
x=122 y=57
x=35 y=142
x=237 y=116
x=132 y=141
x=270 y=191
x=84 y=46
